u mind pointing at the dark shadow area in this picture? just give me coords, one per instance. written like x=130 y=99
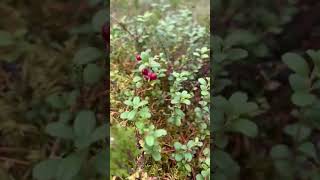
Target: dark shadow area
x=53 y=89
x=266 y=89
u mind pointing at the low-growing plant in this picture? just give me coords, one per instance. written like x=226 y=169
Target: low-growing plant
x=167 y=86
x=184 y=153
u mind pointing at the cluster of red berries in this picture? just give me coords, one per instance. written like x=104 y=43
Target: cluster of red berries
x=147 y=73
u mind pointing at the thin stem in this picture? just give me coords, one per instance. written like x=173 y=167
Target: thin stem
x=123 y=26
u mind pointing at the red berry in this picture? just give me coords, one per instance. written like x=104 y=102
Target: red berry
x=152 y=76
x=138 y=57
x=145 y=71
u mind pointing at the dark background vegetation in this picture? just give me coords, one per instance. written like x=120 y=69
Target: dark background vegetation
x=52 y=85
x=269 y=29
x=36 y=62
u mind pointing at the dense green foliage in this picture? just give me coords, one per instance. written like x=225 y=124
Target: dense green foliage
x=266 y=100
x=170 y=113
x=52 y=119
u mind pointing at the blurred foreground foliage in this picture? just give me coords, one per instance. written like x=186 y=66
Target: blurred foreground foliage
x=266 y=96
x=52 y=96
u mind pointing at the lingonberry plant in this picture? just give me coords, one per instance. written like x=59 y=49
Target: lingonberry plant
x=161 y=89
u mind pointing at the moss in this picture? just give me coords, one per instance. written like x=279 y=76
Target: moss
x=123 y=151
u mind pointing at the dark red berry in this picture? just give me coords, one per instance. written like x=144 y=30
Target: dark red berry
x=145 y=71
x=138 y=57
x=152 y=76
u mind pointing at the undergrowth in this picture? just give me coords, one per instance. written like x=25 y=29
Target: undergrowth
x=160 y=88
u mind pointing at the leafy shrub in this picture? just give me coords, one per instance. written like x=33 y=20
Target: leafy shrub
x=166 y=95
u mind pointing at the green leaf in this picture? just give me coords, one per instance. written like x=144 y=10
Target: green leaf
x=56 y=101
x=303 y=98
x=65 y=117
x=202 y=81
x=196 y=54
x=69 y=167
x=124 y=115
x=154 y=64
x=84 y=123
x=296 y=63
x=46 y=170
x=82 y=142
x=87 y=55
x=308 y=149
x=186 y=101
x=238 y=98
x=222 y=104
x=237 y=54
x=188 y=167
x=145 y=56
x=136 y=79
x=224 y=161
x=245 y=127
x=131 y=115
x=190 y=144
x=240 y=104
x=297 y=131
x=205 y=173
x=199 y=177
x=240 y=37
x=60 y=130
x=178 y=157
x=177 y=145
x=100 y=133
x=99 y=19
x=204 y=50
x=280 y=151
x=188 y=156
x=149 y=140
x=315 y=55
x=299 y=83
x=128 y=102
x=204 y=56
x=160 y=132
x=136 y=101
x=204 y=93
x=6 y=39
x=246 y=108
x=156 y=156
x=144 y=113
x=92 y=74
x=142 y=103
